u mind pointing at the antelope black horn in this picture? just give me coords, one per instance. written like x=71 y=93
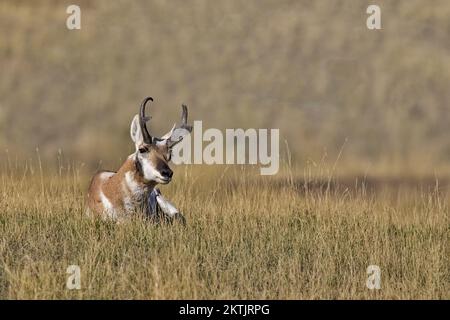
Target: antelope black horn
x=184 y=115
x=143 y=122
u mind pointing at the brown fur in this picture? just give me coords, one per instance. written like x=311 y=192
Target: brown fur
x=112 y=187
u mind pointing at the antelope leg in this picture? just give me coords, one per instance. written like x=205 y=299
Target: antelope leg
x=167 y=207
x=152 y=203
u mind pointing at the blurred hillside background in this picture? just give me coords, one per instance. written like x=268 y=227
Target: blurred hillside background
x=310 y=68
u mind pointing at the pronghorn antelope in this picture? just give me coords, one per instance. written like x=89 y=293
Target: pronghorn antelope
x=118 y=195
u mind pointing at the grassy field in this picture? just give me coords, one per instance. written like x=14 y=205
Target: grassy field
x=246 y=237
x=376 y=100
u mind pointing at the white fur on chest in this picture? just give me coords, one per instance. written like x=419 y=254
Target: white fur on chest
x=133 y=193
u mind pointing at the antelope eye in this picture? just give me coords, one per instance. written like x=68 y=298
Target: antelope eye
x=143 y=149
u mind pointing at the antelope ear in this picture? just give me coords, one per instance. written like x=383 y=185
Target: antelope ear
x=169 y=134
x=174 y=136
x=136 y=133
x=178 y=134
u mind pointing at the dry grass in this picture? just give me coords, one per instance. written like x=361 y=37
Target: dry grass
x=311 y=69
x=246 y=237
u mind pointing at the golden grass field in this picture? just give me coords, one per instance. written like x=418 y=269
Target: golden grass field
x=376 y=100
x=247 y=237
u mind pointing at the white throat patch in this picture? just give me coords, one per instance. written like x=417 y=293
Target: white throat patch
x=135 y=189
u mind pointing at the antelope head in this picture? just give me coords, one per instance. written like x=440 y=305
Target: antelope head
x=153 y=154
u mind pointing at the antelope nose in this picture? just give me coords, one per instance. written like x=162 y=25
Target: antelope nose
x=167 y=173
